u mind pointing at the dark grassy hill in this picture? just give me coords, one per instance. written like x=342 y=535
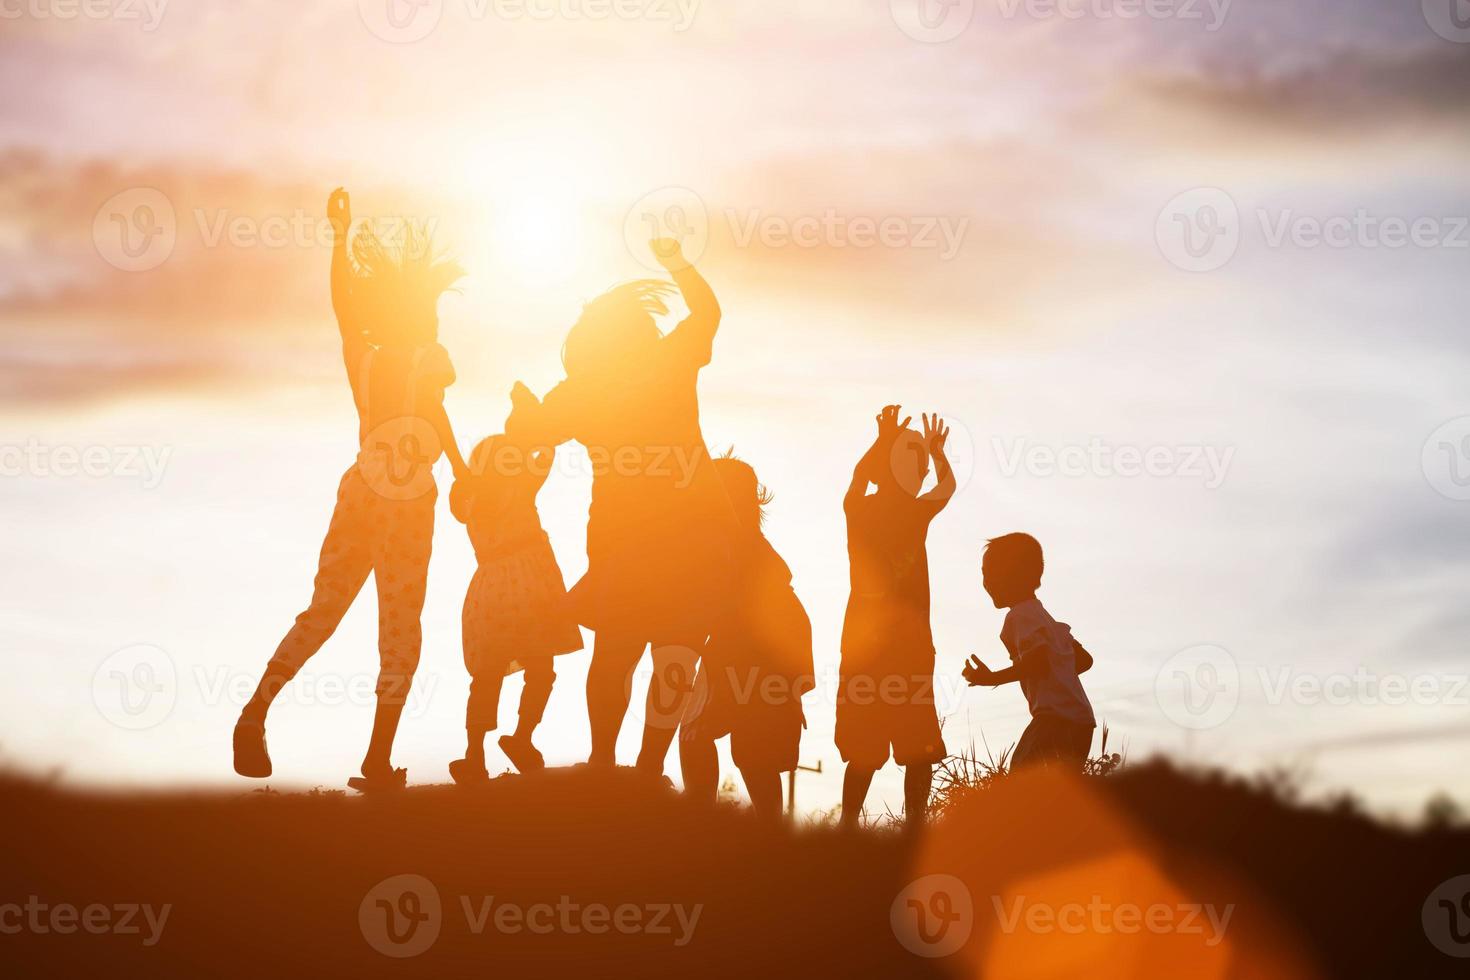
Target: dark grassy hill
x=576 y=873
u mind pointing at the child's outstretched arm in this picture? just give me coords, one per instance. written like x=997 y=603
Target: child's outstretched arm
x=704 y=309
x=936 y=433
x=354 y=345
x=460 y=496
x=888 y=429
x=980 y=675
x=439 y=419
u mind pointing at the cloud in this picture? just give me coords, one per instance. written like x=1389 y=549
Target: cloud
x=1346 y=93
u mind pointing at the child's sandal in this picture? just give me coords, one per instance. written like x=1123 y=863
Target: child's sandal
x=389 y=780
x=522 y=754
x=466 y=773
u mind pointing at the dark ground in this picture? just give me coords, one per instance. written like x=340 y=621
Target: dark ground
x=273 y=885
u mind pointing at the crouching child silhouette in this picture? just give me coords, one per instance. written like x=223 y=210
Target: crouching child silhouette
x=516 y=613
x=1045 y=659
x=886 y=688
x=755 y=666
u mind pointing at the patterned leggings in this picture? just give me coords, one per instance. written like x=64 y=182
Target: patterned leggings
x=391 y=539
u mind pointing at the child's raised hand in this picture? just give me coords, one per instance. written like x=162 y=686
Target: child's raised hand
x=978 y=674
x=888 y=424
x=935 y=434
x=339 y=212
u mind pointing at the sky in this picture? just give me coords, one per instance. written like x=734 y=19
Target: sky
x=1187 y=279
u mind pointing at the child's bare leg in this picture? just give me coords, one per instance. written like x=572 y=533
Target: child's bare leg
x=700 y=764
x=474 y=749
x=392 y=693
x=917 y=780
x=537 y=692
x=479 y=721
x=855 y=783
x=764 y=788
x=674 y=665
x=534 y=695
x=614 y=656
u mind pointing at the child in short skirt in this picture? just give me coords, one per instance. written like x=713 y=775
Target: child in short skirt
x=516 y=614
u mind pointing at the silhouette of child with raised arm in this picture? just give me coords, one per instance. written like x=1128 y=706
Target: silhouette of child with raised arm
x=755 y=667
x=886 y=691
x=386 y=299
x=1045 y=659
x=516 y=614
x=659 y=527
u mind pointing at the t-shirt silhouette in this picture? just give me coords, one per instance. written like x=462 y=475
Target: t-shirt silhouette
x=1030 y=633
x=888 y=607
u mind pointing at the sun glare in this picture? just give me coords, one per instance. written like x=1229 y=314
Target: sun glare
x=536 y=232
x=531 y=214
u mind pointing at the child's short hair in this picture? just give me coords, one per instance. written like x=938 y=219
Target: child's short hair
x=1016 y=558
x=742 y=486
x=619 y=319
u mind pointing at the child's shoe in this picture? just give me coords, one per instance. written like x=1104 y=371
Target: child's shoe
x=388 y=779
x=522 y=754
x=251 y=756
x=468 y=772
